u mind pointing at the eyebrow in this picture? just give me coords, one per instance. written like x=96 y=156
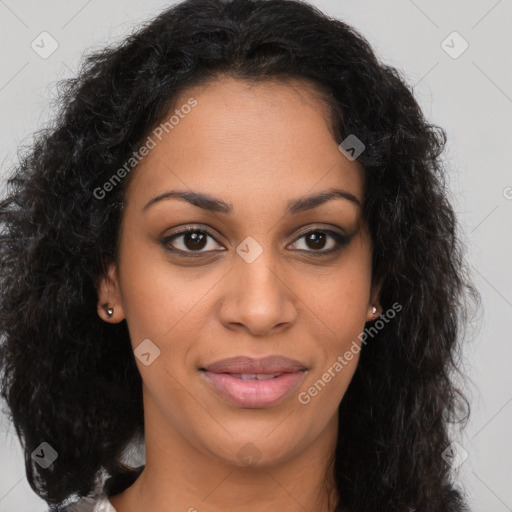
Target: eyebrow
x=212 y=204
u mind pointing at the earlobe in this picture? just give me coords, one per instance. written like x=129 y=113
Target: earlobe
x=109 y=305
x=374 y=308
x=373 y=313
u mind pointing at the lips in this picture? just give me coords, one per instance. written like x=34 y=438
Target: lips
x=254 y=383
x=265 y=365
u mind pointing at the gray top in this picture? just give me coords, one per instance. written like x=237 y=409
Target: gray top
x=95 y=504
x=98 y=499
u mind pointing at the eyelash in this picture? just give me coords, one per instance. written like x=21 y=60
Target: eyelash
x=340 y=240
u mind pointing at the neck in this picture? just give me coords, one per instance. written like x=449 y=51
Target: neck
x=179 y=476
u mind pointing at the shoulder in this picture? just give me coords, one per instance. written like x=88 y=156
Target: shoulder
x=98 y=503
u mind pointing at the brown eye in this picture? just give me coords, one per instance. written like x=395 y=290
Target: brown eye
x=317 y=240
x=190 y=240
x=194 y=241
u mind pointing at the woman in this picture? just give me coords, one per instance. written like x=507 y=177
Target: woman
x=236 y=245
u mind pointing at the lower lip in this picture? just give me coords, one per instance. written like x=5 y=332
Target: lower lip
x=253 y=394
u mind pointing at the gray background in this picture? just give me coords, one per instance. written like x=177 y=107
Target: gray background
x=470 y=96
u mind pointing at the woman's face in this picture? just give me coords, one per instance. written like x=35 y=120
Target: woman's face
x=269 y=269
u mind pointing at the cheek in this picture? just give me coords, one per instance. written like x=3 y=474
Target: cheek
x=168 y=305
x=342 y=300
x=341 y=305
x=337 y=349
x=161 y=305
x=153 y=298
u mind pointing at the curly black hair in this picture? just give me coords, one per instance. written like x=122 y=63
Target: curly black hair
x=70 y=379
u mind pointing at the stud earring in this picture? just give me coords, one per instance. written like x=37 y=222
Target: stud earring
x=109 y=312
x=374 y=310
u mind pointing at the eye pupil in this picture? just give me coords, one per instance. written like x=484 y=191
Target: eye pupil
x=317 y=238
x=196 y=238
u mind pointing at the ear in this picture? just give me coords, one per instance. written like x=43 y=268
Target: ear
x=374 y=302
x=109 y=305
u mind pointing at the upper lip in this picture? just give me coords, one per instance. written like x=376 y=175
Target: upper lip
x=245 y=364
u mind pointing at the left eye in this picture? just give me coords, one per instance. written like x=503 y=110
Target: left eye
x=318 y=239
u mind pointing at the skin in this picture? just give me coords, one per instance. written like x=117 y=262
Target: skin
x=257 y=147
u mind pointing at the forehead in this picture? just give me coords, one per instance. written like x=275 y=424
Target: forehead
x=244 y=136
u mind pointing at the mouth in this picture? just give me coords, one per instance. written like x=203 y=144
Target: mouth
x=254 y=383
x=255 y=376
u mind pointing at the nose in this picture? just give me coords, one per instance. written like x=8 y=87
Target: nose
x=257 y=297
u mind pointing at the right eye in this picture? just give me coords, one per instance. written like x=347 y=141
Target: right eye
x=189 y=240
